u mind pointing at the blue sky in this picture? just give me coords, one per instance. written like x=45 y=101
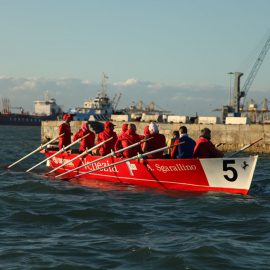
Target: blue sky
x=177 y=53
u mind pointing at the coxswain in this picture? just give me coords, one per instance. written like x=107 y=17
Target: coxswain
x=65 y=131
x=158 y=141
x=204 y=148
x=184 y=146
x=107 y=133
x=131 y=137
x=87 y=142
x=118 y=144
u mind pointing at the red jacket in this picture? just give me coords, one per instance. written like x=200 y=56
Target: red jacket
x=88 y=142
x=65 y=139
x=205 y=149
x=118 y=145
x=106 y=148
x=128 y=138
x=157 y=142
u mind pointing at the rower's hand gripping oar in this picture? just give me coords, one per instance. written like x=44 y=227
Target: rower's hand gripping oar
x=60 y=151
x=33 y=152
x=82 y=154
x=139 y=156
x=244 y=148
x=103 y=157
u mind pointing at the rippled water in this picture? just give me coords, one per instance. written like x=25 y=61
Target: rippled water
x=48 y=224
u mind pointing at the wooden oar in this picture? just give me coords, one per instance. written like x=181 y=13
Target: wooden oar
x=139 y=156
x=244 y=148
x=103 y=157
x=219 y=144
x=33 y=152
x=60 y=151
x=84 y=153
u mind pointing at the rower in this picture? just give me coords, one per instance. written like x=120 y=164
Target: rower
x=107 y=133
x=204 y=148
x=87 y=142
x=183 y=150
x=65 y=131
x=118 y=144
x=157 y=142
x=128 y=138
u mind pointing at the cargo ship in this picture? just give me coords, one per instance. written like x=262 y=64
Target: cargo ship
x=46 y=109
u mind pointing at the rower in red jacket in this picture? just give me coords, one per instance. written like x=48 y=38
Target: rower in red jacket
x=108 y=132
x=87 y=142
x=204 y=148
x=157 y=142
x=131 y=137
x=65 y=130
x=118 y=144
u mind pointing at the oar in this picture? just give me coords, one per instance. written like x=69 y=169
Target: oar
x=219 y=144
x=33 y=152
x=60 y=151
x=103 y=157
x=85 y=152
x=139 y=156
x=244 y=148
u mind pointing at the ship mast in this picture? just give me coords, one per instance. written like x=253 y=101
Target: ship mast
x=103 y=90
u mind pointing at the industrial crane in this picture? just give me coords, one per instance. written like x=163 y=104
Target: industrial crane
x=255 y=70
x=115 y=100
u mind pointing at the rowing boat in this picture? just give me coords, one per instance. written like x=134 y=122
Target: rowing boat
x=233 y=175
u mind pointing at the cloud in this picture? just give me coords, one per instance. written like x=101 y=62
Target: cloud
x=128 y=82
x=182 y=99
x=87 y=82
x=26 y=85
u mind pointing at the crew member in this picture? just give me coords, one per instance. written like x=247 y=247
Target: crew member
x=118 y=144
x=184 y=146
x=204 y=147
x=65 y=131
x=171 y=142
x=146 y=131
x=158 y=141
x=107 y=133
x=87 y=142
x=131 y=137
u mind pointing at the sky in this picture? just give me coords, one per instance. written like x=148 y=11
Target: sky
x=177 y=53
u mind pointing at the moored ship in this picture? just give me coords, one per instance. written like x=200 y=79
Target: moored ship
x=46 y=109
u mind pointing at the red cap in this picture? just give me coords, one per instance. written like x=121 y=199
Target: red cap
x=67 y=116
x=108 y=124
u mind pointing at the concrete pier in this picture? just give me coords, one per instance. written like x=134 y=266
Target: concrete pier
x=233 y=137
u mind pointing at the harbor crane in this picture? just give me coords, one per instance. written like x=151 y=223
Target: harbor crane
x=115 y=100
x=235 y=108
x=254 y=71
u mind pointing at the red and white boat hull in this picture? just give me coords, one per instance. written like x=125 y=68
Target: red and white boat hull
x=232 y=175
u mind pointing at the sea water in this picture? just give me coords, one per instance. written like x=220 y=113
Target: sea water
x=53 y=224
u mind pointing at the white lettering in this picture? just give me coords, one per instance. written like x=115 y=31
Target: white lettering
x=175 y=168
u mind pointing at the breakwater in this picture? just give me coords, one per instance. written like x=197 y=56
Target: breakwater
x=232 y=137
